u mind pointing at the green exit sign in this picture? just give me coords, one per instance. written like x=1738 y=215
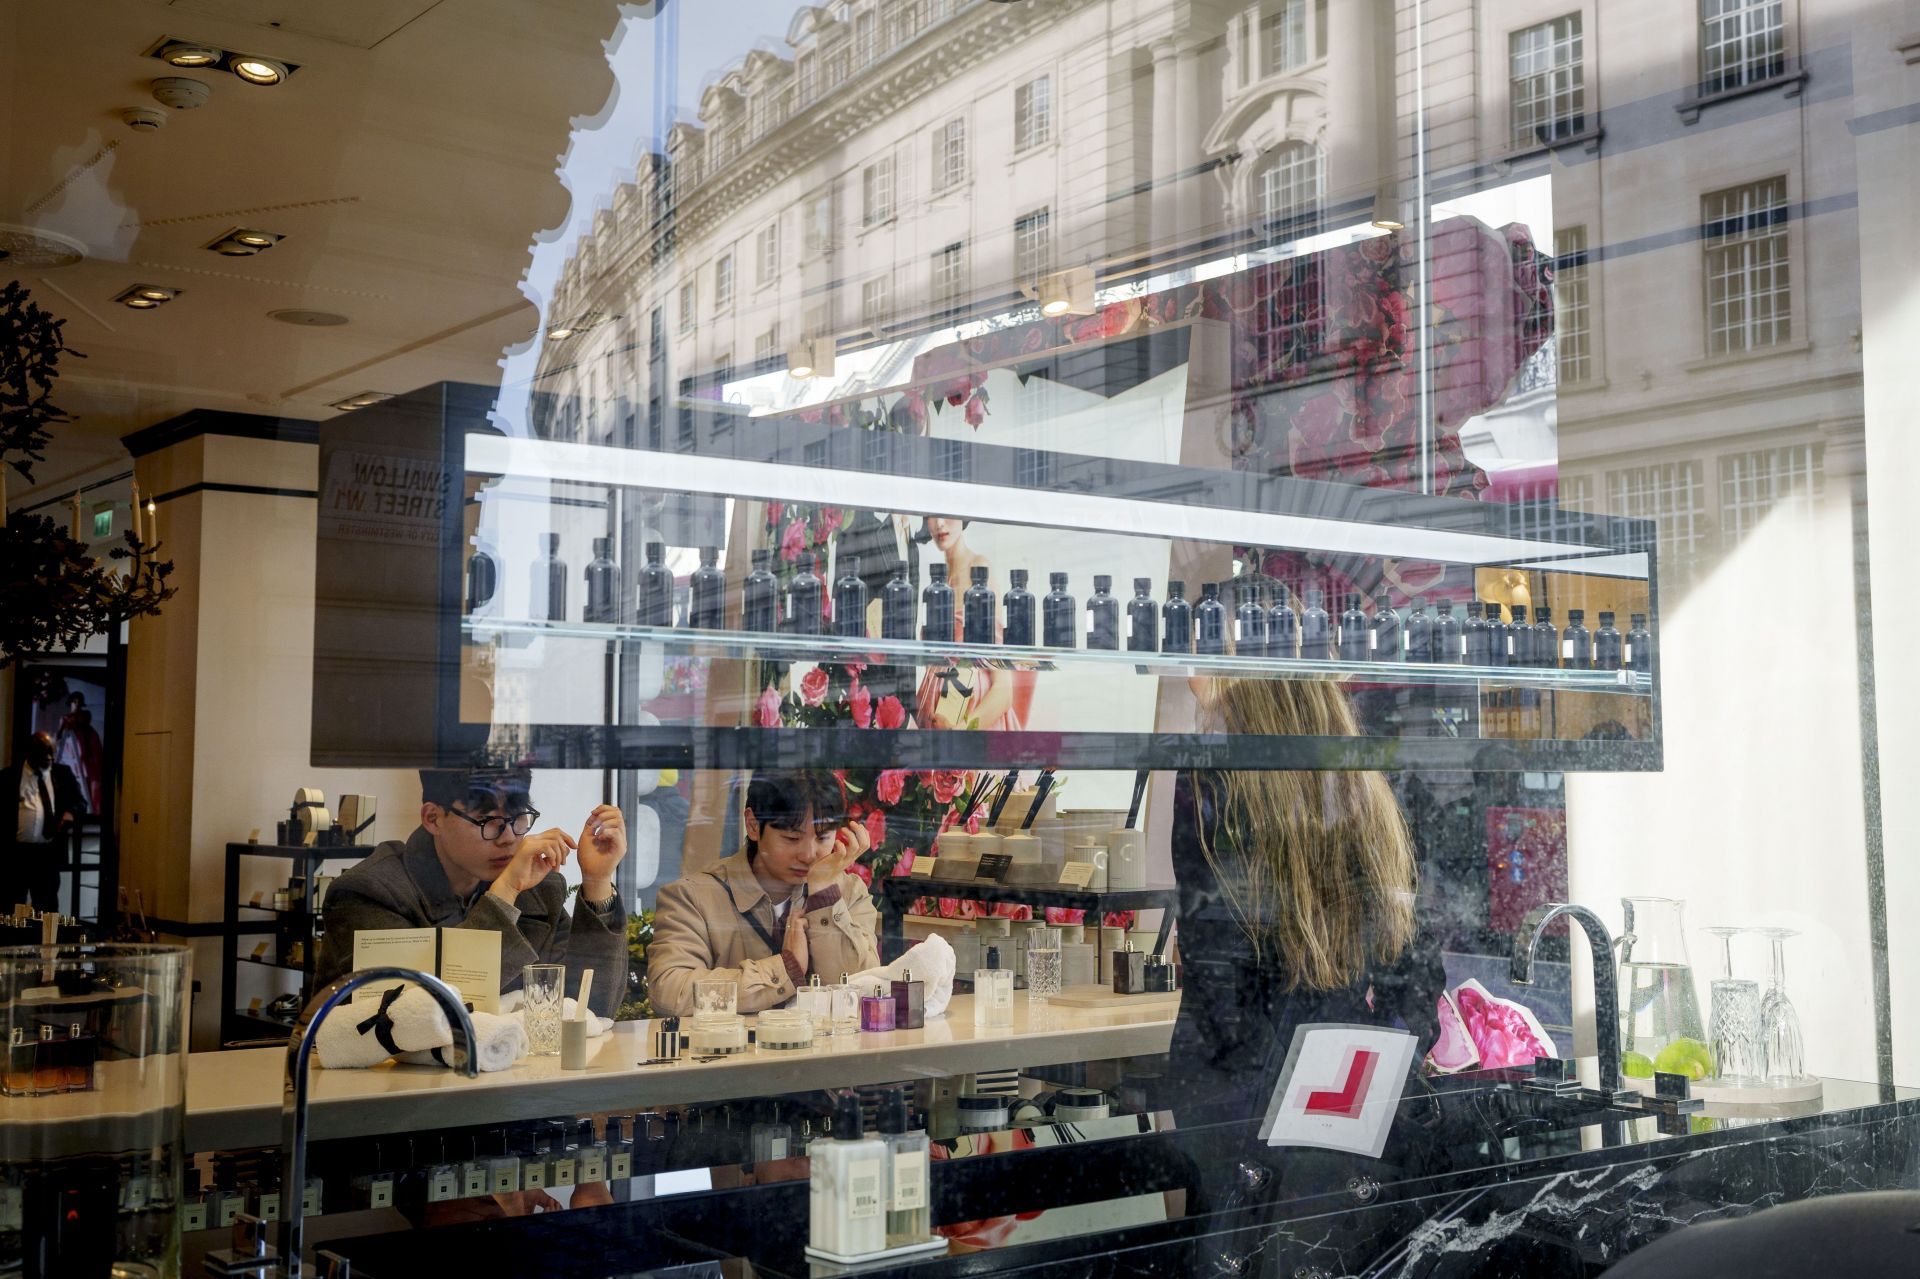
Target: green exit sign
x=102 y=521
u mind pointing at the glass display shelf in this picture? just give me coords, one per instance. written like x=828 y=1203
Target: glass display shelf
x=818 y=649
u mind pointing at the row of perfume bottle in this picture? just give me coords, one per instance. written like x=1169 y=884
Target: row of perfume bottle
x=867 y=1191
x=49 y=1061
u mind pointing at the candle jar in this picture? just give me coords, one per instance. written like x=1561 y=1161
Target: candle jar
x=784 y=1030
x=876 y=1012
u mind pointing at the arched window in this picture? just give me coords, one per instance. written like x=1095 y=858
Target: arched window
x=1290 y=185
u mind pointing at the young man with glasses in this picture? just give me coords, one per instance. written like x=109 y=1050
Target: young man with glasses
x=473 y=863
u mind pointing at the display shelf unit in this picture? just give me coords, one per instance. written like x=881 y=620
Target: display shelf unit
x=897 y=893
x=236 y=1022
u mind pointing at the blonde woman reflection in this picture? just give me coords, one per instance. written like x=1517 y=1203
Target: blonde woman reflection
x=967 y=696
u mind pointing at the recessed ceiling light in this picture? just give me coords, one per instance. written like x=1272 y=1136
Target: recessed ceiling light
x=144 y=297
x=183 y=53
x=256 y=70
x=360 y=401
x=1063 y=292
x=243 y=242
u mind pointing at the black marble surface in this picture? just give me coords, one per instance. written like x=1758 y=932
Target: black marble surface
x=1506 y=1187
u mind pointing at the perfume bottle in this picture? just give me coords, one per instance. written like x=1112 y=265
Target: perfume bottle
x=1059 y=618
x=17 y=1079
x=909 y=1003
x=1446 y=635
x=483 y=578
x=1606 y=645
x=1316 y=630
x=936 y=606
x=993 y=994
x=1129 y=971
x=653 y=594
x=909 y=1218
x=1475 y=635
x=1388 y=637
x=1283 y=627
x=548 y=598
x=1021 y=609
x=760 y=596
x=1519 y=637
x=1576 y=642
x=896 y=606
x=1103 y=614
x=876 y=1012
x=82 y=1050
x=49 y=1063
x=1177 y=616
x=1210 y=621
x=806 y=596
x=707 y=593
x=1545 y=647
x=850 y=601
x=603 y=584
x=1249 y=621
x=1356 y=641
x=1419 y=632
x=1499 y=636
x=1639 y=655
x=977 y=608
x=847 y=1186
x=1143 y=618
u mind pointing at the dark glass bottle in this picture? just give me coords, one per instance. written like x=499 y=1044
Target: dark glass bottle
x=1059 y=614
x=1021 y=607
x=1356 y=641
x=805 y=597
x=896 y=606
x=1447 y=633
x=1103 y=614
x=850 y=601
x=1576 y=642
x=1283 y=627
x=1210 y=621
x=1546 y=640
x=1639 y=645
x=1316 y=631
x=653 y=595
x=603 y=584
x=1606 y=645
x=1177 y=616
x=549 y=596
x=1389 y=640
x=1143 y=618
x=1476 y=636
x=1249 y=621
x=1419 y=632
x=1519 y=637
x=483 y=578
x=1499 y=638
x=707 y=593
x=760 y=596
x=978 y=609
x=936 y=607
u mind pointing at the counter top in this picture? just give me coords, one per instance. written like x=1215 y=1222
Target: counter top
x=233 y=1098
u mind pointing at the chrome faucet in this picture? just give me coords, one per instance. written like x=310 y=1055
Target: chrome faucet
x=293 y=1100
x=1606 y=985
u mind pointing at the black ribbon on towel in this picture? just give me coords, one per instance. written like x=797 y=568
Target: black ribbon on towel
x=380 y=1025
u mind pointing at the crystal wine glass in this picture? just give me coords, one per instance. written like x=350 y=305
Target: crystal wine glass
x=1779 y=1022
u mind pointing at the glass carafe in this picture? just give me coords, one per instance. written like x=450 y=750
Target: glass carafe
x=1658 y=1005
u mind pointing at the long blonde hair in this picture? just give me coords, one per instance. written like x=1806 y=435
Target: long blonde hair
x=1318 y=865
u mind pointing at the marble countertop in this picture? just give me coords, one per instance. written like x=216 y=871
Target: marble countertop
x=233 y=1098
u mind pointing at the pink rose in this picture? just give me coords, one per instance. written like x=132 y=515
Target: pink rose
x=891 y=713
x=877 y=827
x=830 y=518
x=774 y=511
x=793 y=541
x=862 y=703
x=892 y=782
x=766 y=712
x=813 y=687
x=946 y=785
x=973 y=822
x=977 y=409
x=905 y=864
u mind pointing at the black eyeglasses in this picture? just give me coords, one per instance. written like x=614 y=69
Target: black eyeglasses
x=492 y=828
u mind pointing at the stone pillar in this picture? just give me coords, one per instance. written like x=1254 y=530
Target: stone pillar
x=1359 y=98
x=1166 y=120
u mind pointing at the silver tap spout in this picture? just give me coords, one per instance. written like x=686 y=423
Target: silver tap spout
x=293 y=1099
x=1606 y=981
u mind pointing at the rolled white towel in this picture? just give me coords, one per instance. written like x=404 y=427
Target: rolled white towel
x=503 y=1041
x=367 y=1032
x=513 y=1002
x=932 y=962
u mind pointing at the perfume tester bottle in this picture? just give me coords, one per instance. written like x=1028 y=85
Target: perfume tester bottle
x=936 y=606
x=1356 y=640
x=850 y=601
x=1210 y=621
x=1283 y=627
x=653 y=593
x=1177 y=616
x=1249 y=621
x=1103 y=615
x=1143 y=618
x=1021 y=608
x=707 y=593
x=1607 y=645
x=806 y=595
x=1059 y=618
x=548 y=598
x=1447 y=634
x=896 y=606
x=603 y=584
x=1316 y=630
x=760 y=596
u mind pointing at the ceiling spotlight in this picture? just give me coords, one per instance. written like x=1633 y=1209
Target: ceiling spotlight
x=242 y=242
x=1068 y=292
x=360 y=401
x=256 y=70
x=145 y=297
x=811 y=357
x=183 y=53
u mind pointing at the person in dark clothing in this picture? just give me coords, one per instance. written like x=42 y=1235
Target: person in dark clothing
x=47 y=801
x=471 y=863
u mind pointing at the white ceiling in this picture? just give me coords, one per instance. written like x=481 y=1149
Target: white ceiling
x=409 y=162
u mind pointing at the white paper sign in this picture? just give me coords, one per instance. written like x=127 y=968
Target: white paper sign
x=1340 y=1088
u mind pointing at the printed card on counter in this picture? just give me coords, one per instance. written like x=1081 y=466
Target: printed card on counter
x=1076 y=874
x=923 y=867
x=994 y=866
x=468 y=958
